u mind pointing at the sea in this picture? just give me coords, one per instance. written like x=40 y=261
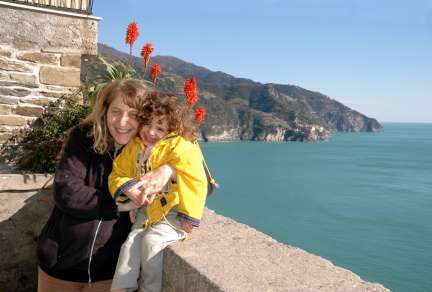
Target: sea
x=361 y=200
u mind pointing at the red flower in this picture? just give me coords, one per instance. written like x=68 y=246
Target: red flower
x=146 y=52
x=200 y=114
x=131 y=36
x=155 y=70
x=190 y=91
x=132 y=33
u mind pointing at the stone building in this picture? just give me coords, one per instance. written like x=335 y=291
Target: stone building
x=41 y=44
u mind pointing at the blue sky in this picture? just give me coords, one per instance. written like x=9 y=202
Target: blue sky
x=375 y=56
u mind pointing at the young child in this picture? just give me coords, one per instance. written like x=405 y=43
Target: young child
x=167 y=136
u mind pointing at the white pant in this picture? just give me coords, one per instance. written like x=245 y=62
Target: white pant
x=144 y=248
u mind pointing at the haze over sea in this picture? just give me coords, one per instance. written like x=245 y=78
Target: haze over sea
x=361 y=200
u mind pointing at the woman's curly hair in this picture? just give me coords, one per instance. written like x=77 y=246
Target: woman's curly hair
x=178 y=116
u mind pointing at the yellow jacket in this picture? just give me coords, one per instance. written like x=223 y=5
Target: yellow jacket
x=188 y=191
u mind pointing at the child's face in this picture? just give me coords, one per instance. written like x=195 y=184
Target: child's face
x=156 y=130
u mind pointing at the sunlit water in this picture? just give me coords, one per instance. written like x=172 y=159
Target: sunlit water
x=363 y=201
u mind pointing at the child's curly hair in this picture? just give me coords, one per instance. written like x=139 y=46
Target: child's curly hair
x=179 y=117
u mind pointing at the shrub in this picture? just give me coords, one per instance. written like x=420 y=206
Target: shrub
x=37 y=148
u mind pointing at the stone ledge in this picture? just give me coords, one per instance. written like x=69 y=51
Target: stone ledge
x=224 y=255
x=221 y=255
x=22 y=182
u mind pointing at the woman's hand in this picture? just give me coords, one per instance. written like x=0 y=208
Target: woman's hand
x=154 y=181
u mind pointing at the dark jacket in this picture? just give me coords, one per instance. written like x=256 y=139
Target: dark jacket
x=82 y=238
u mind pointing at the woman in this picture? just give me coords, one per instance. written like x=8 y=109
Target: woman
x=79 y=245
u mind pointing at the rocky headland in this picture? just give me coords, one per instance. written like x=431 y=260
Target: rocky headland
x=242 y=109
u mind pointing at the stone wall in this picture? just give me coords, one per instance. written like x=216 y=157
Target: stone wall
x=221 y=255
x=40 y=59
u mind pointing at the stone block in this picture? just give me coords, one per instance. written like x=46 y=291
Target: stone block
x=8 y=100
x=12 y=120
x=15 y=83
x=5 y=109
x=5 y=52
x=40 y=58
x=29 y=110
x=26 y=79
x=20 y=92
x=71 y=60
x=4 y=76
x=10 y=65
x=54 y=94
x=38 y=100
x=60 y=76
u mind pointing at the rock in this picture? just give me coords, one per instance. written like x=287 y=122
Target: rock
x=60 y=76
x=14 y=91
x=8 y=100
x=5 y=52
x=54 y=94
x=12 y=120
x=71 y=60
x=26 y=79
x=40 y=58
x=5 y=109
x=4 y=76
x=38 y=100
x=10 y=65
x=16 y=83
x=29 y=110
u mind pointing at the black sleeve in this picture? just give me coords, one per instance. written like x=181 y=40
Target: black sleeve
x=71 y=193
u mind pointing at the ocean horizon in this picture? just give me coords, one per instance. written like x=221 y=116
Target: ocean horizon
x=360 y=200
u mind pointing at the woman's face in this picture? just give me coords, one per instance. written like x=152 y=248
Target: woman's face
x=121 y=121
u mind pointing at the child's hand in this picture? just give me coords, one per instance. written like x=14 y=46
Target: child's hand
x=135 y=193
x=148 y=198
x=186 y=226
x=155 y=180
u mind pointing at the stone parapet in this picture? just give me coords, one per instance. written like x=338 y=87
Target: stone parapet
x=224 y=255
x=221 y=255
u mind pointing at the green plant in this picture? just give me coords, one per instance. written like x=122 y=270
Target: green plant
x=118 y=72
x=37 y=148
x=91 y=90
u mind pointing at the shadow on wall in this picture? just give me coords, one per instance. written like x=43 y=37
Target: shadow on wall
x=23 y=213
